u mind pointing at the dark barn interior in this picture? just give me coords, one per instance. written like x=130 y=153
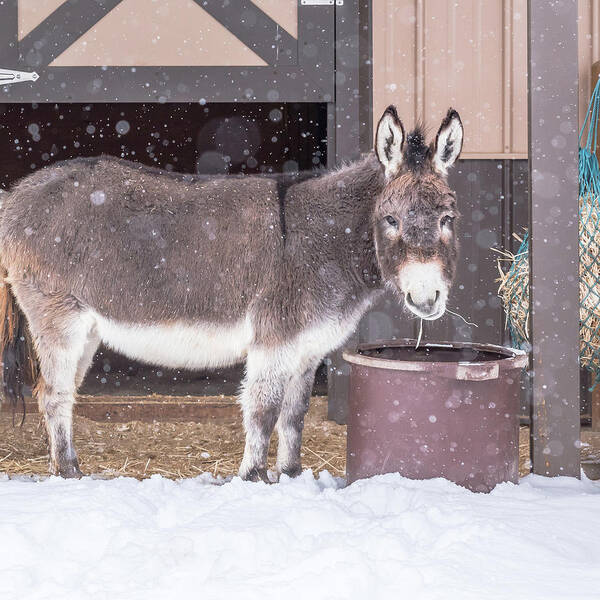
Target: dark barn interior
x=262 y=138
x=186 y=137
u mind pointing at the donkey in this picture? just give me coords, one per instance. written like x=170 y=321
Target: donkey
x=187 y=271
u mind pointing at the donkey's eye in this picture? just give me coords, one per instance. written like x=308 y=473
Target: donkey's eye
x=446 y=220
x=391 y=221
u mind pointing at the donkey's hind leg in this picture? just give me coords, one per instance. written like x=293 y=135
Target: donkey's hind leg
x=61 y=331
x=63 y=361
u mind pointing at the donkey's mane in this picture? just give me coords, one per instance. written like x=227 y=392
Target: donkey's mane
x=417 y=150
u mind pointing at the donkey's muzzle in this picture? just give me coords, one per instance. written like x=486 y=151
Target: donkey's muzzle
x=425 y=288
x=426 y=307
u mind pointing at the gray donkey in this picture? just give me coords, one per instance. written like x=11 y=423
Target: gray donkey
x=193 y=272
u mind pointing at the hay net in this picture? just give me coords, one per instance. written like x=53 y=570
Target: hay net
x=589 y=239
x=514 y=287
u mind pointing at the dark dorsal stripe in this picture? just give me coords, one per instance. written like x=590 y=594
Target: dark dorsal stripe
x=282 y=188
x=284 y=182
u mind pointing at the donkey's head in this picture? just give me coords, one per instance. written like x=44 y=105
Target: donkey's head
x=415 y=215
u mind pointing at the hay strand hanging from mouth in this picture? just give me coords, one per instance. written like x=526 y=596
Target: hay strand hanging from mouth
x=420 y=335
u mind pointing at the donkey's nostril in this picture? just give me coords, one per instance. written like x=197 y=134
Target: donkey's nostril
x=425 y=306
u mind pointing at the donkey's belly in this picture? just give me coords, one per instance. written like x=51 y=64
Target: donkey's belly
x=178 y=345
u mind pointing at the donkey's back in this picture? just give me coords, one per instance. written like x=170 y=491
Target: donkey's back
x=142 y=245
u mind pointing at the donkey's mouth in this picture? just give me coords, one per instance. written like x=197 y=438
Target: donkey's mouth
x=430 y=310
x=428 y=316
x=424 y=288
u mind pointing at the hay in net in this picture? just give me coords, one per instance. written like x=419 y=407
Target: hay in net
x=514 y=291
x=514 y=277
x=514 y=280
x=514 y=287
x=589 y=282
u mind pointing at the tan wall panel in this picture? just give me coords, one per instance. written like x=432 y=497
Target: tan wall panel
x=472 y=54
x=283 y=12
x=165 y=33
x=464 y=69
x=394 y=50
x=33 y=12
x=432 y=54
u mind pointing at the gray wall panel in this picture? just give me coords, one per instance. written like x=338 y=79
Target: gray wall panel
x=492 y=196
x=480 y=191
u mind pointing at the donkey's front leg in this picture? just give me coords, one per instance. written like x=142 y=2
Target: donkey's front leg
x=261 y=397
x=291 y=422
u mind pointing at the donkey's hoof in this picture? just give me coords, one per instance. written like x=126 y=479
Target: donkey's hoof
x=68 y=471
x=291 y=471
x=256 y=474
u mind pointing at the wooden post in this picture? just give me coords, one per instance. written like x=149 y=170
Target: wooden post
x=554 y=247
x=352 y=131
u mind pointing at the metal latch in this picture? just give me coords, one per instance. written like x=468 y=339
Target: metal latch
x=322 y=2
x=7 y=76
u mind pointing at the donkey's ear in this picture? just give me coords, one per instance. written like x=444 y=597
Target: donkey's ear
x=448 y=142
x=389 y=140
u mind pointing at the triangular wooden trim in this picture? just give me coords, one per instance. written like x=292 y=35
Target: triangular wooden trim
x=71 y=20
x=254 y=28
x=61 y=29
x=138 y=33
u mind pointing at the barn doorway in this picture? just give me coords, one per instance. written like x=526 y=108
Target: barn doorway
x=184 y=137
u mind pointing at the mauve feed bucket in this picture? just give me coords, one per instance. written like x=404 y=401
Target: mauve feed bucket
x=444 y=410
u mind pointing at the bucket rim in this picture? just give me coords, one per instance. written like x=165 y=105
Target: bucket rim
x=513 y=359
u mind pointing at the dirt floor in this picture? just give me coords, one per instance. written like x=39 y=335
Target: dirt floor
x=185 y=449
x=172 y=449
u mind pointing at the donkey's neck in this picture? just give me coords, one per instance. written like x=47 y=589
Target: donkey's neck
x=334 y=215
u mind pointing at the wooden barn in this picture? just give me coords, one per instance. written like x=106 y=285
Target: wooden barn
x=261 y=86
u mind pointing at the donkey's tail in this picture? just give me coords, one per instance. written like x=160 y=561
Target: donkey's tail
x=19 y=362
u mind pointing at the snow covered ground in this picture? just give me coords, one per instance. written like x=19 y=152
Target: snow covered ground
x=388 y=538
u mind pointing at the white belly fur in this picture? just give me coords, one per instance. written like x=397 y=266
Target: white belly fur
x=178 y=345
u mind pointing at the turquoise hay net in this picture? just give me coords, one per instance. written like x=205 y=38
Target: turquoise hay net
x=515 y=286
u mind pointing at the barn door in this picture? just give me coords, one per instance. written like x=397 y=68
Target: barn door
x=167 y=51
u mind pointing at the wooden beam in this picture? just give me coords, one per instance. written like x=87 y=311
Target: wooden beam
x=349 y=122
x=9 y=26
x=554 y=248
x=160 y=84
x=254 y=28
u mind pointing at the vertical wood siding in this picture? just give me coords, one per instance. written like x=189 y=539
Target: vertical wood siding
x=469 y=54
